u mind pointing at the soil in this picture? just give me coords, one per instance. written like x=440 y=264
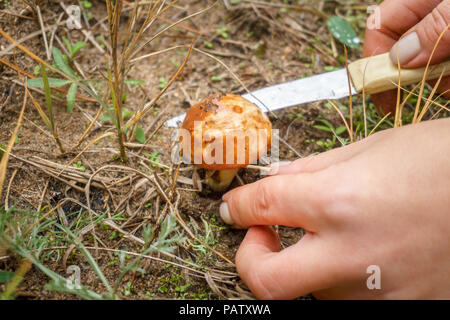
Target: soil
x=258 y=43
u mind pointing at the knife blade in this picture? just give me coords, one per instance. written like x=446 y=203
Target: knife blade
x=374 y=74
x=329 y=85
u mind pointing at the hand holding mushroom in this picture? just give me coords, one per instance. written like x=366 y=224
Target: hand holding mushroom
x=382 y=201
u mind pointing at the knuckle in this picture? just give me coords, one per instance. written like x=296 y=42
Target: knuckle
x=341 y=201
x=306 y=164
x=442 y=13
x=263 y=199
x=440 y=17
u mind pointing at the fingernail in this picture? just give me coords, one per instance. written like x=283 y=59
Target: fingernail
x=275 y=167
x=406 y=49
x=225 y=213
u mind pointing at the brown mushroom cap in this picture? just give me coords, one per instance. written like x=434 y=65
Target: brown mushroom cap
x=227 y=119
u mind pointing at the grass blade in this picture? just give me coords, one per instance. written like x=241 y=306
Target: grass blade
x=71 y=95
x=40 y=111
x=16 y=280
x=58 y=282
x=48 y=96
x=49 y=105
x=140 y=135
x=61 y=64
x=5 y=156
x=117 y=118
x=90 y=260
x=52 y=82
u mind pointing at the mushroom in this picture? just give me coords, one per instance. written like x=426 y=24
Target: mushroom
x=226 y=133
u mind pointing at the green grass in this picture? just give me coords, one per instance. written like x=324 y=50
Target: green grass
x=209 y=236
x=39 y=240
x=372 y=123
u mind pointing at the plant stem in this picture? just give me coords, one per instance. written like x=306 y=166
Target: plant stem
x=220 y=180
x=116 y=83
x=49 y=105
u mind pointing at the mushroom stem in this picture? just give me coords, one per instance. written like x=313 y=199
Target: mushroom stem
x=220 y=180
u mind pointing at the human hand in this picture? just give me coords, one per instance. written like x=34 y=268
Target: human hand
x=418 y=23
x=382 y=201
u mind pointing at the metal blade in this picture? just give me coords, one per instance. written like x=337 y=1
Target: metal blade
x=329 y=85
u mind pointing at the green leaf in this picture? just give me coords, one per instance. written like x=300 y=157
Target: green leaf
x=341 y=130
x=6 y=276
x=127 y=114
x=140 y=135
x=71 y=95
x=87 y=4
x=222 y=31
x=323 y=128
x=52 y=82
x=327 y=123
x=208 y=44
x=162 y=82
x=111 y=117
x=105 y=117
x=48 y=96
x=216 y=78
x=36 y=70
x=61 y=63
x=77 y=47
x=343 y=31
x=67 y=43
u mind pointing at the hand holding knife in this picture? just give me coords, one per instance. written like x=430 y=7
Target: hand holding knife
x=373 y=75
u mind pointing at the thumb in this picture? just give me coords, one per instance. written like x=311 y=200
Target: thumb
x=415 y=48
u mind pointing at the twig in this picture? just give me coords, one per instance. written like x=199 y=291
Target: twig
x=16 y=15
x=27 y=37
x=7 y=152
x=8 y=190
x=54 y=31
x=43 y=195
x=44 y=35
x=227 y=54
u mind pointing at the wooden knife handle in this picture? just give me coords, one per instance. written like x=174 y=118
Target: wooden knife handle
x=378 y=73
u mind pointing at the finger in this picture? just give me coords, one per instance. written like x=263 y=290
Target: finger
x=302 y=268
x=415 y=48
x=288 y=200
x=327 y=159
x=322 y=161
x=396 y=17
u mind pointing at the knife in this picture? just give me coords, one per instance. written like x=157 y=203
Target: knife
x=374 y=74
